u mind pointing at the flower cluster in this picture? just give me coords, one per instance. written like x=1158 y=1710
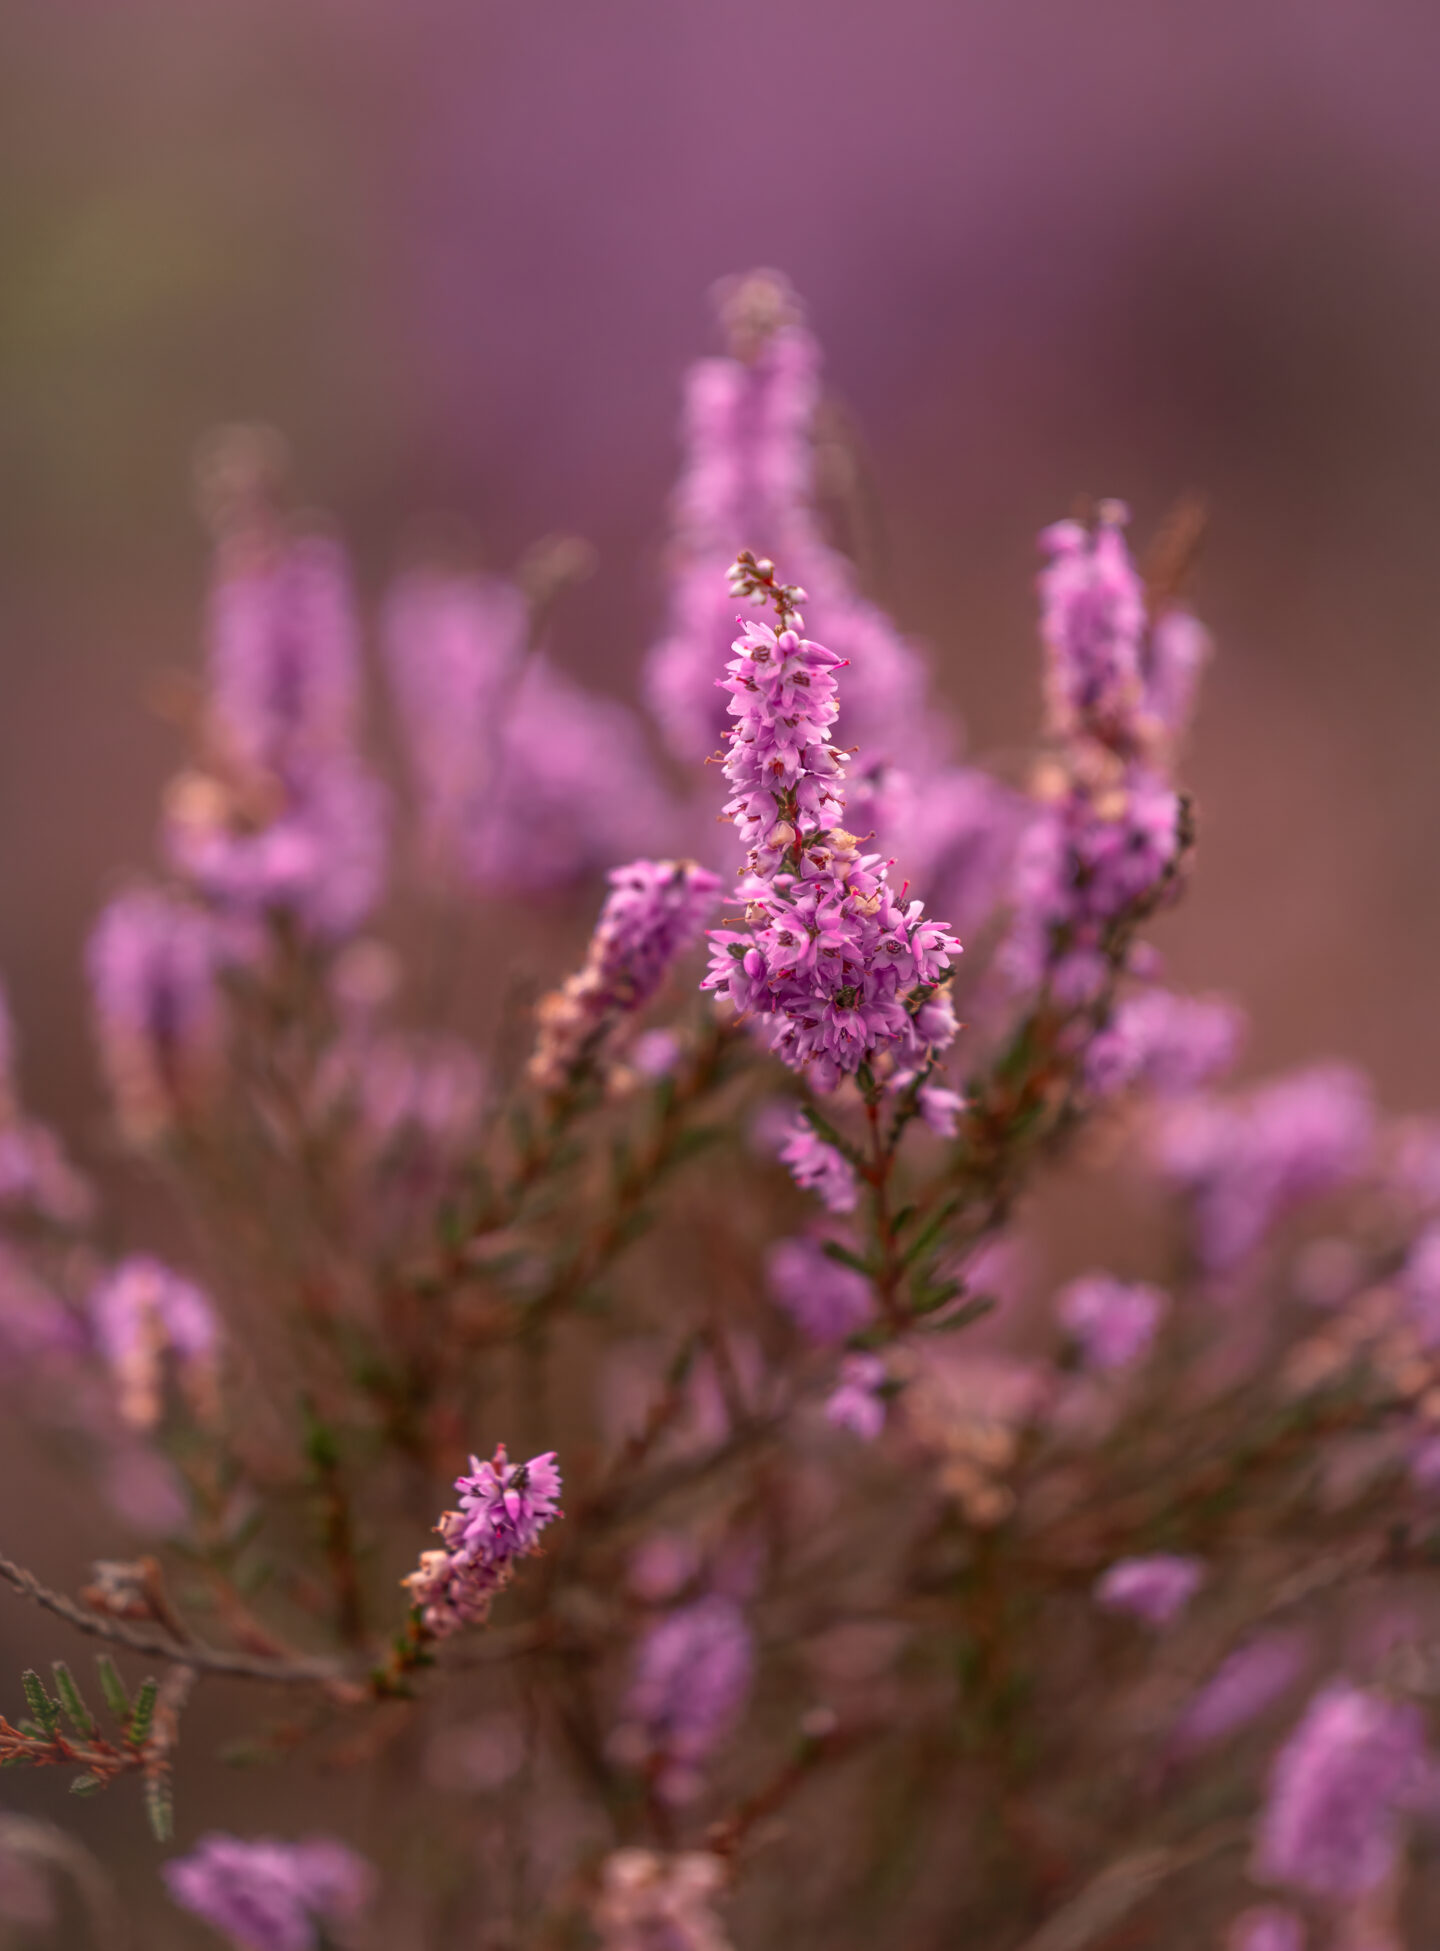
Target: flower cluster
x=655 y=910
x=1245 y=1162
x=1331 y=1821
x=840 y=972
x=857 y=1402
x=142 y=1312
x=266 y=1895
x=1156 y=1589
x=154 y=965
x=524 y=778
x=1246 y=1682
x=1112 y=1321
x=279 y=814
x=1166 y=1043
x=691 y=1679
x=826 y=1300
x=753 y=439
x=1110 y=831
x=37 y=1179
x=650 y=1902
x=504 y=1507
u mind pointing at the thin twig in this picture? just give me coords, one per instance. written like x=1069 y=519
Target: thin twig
x=138 y=1639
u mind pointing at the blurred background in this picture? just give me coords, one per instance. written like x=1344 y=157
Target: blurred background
x=460 y=252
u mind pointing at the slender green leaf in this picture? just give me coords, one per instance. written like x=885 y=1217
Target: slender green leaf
x=143 y=1718
x=160 y=1807
x=71 y=1699
x=823 y=1128
x=843 y=1257
x=86 y=1785
x=930 y=1232
x=928 y=1298
x=113 y=1688
x=45 y=1710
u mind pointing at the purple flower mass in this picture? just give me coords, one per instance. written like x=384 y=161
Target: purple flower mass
x=280 y=815
x=159 y=1023
x=655 y=910
x=819 y=1168
x=1156 y=1589
x=1242 y=1687
x=857 y=1403
x=1107 y=836
x=825 y=1300
x=1165 y=1042
x=143 y=1312
x=1112 y=1321
x=267 y=1895
x=691 y=1680
x=1330 y=1824
x=840 y=972
x=1246 y=1162
x=504 y=1507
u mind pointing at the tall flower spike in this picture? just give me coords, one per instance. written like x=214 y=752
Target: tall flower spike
x=454 y=646
x=839 y=970
x=279 y=814
x=504 y=1507
x=142 y=1312
x=1167 y=1043
x=159 y=1020
x=692 y=1675
x=265 y=1895
x=1331 y=1821
x=655 y=910
x=1112 y=1321
x=750 y=477
x=1109 y=834
x=1247 y=1161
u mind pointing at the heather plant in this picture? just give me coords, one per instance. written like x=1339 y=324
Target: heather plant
x=814 y=1575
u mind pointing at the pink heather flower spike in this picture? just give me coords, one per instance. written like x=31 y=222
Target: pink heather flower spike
x=454 y=646
x=154 y=965
x=819 y=1168
x=825 y=1300
x=143 y=1312
x=655 y=910
x=279 y=815
x=1113 y=1321
x=691 y=1679
x=1245 y=1162
x=1155 y=1590
x=857 y=1404
x=839 y=971
x=1330 y=1824
x=37 y=1180
x=1241 y=1688
x=751 y=478
x=504 y=1507
x=1107 y=837
x=1166 y=1043
x=525 y=779
x=266 y=1895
